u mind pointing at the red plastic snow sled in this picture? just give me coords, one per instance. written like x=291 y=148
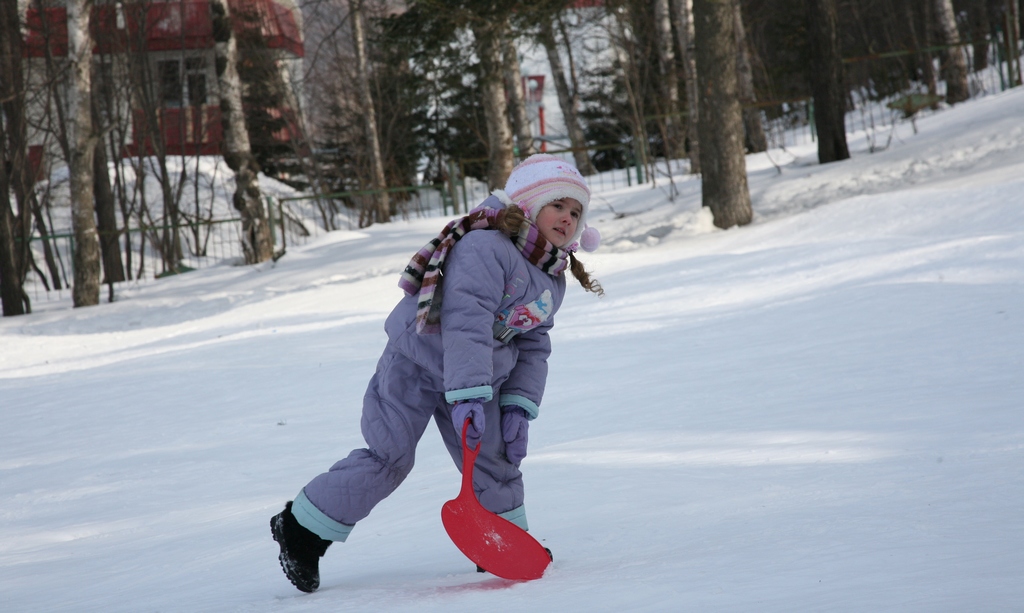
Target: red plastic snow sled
x=494 y=543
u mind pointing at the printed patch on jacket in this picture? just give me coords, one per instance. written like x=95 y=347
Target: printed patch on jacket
x=524 y=317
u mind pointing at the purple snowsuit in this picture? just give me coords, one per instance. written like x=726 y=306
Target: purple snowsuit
x=488 y=283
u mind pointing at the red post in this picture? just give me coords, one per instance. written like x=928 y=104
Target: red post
x=540 y=116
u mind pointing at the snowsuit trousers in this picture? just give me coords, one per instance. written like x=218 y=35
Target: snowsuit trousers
x=399 y=402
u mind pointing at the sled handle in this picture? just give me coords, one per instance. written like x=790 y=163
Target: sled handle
x=468 y=458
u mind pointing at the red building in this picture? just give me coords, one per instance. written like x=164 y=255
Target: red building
x=176 y=40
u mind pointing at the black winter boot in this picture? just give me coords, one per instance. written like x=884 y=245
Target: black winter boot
x=301 y=550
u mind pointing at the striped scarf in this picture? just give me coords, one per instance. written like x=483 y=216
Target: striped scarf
x=422 y=277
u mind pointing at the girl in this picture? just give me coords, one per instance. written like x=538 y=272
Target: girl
x=471 y=343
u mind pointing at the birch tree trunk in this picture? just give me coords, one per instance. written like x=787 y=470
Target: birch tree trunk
x=488 y=37
x=724 y=186
x=256 y=242
x=826 y=78
x=754 y=132
x=954 y=69
x=86 y=257
x=682 y=17
x=667 y=69
x=516 y=101
x=567 y=101
x=382 y=204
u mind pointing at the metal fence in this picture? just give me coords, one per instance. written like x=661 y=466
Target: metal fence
x=202 y=244
x=293 y=221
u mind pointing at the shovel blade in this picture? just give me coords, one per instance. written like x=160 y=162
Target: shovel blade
x=493 y=543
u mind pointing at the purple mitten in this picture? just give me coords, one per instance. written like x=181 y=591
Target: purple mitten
x=514 y=429
x=473 y=410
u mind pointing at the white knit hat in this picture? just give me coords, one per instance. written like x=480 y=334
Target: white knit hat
x=544 y=178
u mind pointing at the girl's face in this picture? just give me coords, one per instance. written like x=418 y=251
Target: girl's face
x=558 y=219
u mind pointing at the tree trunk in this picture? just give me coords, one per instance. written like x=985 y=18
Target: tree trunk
x=256 y=243
x=724 y=187
x=682 y=18
x=919 y=22
x=624 y=45
x=1020 y=17
x=106 y=215
x=382 y=204
x=86 y=288
x=1019 y=9
x=11 y=289
x=106 y=210
x=516 y=100
x=980 y=28
x=580 y=154
x=567 y=101
x=1013 y=29
x=826 y=77
x=488 y=37
x=754 y=137
x=15 y=230
x=667 y=71
x=148 y=127
x=954 y=69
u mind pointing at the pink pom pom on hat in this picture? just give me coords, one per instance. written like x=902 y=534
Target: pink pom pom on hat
x=543 y=178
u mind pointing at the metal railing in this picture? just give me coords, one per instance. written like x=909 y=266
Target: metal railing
x=202 y=244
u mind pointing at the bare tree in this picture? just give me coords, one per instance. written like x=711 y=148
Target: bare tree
x=753 y=130
x=724 y=187
x=15 y=229
x=86 y=288
x=668 y=79
x=682 y=19
x=54 y=122
x=920 y=37
x=256 y=243
x=12 y=293
x=568 y=100
x=631 y=67
x=382 y=207
x=516 y=101
x=954 y=69
x=1013 y=23
x=151 y=128
x=978 y=32
x=103 y=195
x=826 y=78
x=488 y=35
x=1018 y=8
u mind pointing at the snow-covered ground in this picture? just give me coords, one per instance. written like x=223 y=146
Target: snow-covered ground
x=821 y=411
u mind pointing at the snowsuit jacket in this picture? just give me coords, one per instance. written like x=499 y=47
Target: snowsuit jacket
x=487 y=281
